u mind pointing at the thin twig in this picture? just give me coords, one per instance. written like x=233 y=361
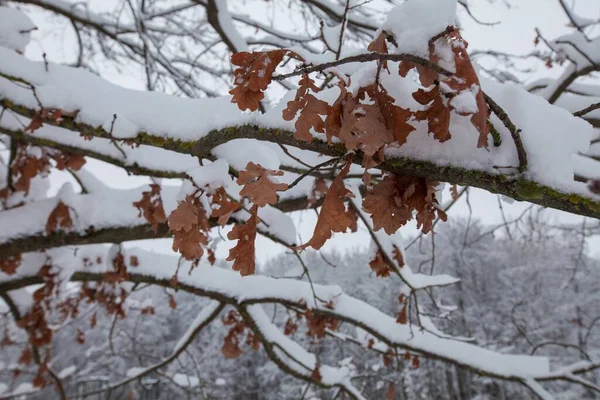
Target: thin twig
x=514 y=132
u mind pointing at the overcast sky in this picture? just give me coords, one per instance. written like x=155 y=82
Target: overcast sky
x=514 y=33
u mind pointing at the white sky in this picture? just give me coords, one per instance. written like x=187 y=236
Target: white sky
x=515 y=34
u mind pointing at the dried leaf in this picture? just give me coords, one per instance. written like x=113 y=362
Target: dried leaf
x=465 y=78
x=190 y=228
x=258 y=185
x=391 y=391
x=26 y=166
x=172 y=302
x=402 y=316
x=59 y=218
x=185 y=216
x=188 y=243
x=437 y=114
x=311 y=110
x=151 y=207
x=392 y=201
x=318 y=191
x=243 y=254
x=318 y=324
x=134 y=261
x=333 y=216
x=380 y=266
x=454 y=192
x=379 y=45
x=415 y=362
x=26 y=358
x=9 y=265
x=316 y=374
x=226 y=206
x=253 y=76
x=69 y=161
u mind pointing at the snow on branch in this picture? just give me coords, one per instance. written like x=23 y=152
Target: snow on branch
x=245 y=293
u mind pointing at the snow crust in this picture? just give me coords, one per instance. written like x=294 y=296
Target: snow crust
x=16 y=29
x=414 y=23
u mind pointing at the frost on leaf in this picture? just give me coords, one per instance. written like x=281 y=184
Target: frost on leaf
x=59 y=218
x=312 y=110
x=392 y=202
x=242 y=254
x=226 y=206
x=258 y=186
x=151 y=207
x=190 y=226
x=9 y=265
x=253 y=76
x=333 y=216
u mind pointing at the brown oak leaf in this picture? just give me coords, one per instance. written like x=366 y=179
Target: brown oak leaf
x=379 y=45
x=380 y=266
x=402 y=316
x=243 y=253
x=26 y=166
x=333 y=216
x=258 y=186
x=69 y=161
x=392 y=201
x=151 y=207
x=253 y=76
x=59 y=218
x=318 y=324
x=312 y=110
x=437 y=114
x=9 y=265
x=190 y=227
x=226 y=206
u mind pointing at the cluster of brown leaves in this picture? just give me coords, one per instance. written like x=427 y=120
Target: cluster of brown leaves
x=151 y=207
x=231 y=344
x=52 y=115
x=26 y=166
x=252 y=77
x=392 y=202
x=109 y=293
x=381 y=265
x=59 y=218
x=68 y=160
x=318 y=324
x=190 y=228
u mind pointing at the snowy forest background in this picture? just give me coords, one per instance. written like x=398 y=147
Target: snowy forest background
x=532 y=290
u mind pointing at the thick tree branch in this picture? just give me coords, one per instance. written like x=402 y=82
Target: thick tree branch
x=518 y=188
